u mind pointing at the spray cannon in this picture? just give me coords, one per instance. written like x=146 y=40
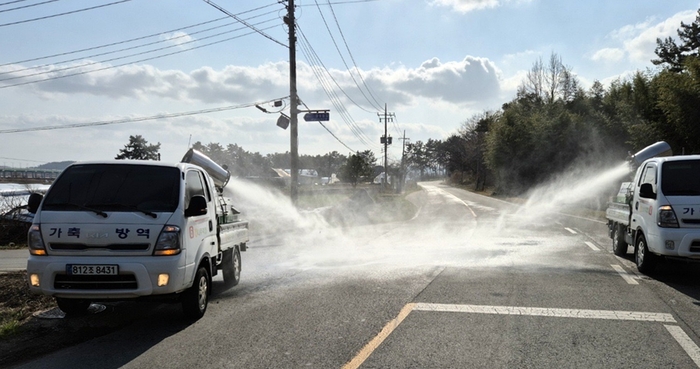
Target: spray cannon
x=658 y=149
x=218 y=173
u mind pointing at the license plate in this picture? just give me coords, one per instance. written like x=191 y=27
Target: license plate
x=91 y=269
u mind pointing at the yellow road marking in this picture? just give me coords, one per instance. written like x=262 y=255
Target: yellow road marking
x=379 y=338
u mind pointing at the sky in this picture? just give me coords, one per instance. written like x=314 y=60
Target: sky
x=79 y=77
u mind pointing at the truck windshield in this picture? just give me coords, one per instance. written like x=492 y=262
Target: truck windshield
x=115 y=187
x=681 y=178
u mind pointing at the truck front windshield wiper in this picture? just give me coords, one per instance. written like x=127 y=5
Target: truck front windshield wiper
x=126 y=206
x=81 y=207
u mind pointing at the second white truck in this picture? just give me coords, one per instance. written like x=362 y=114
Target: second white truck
x=125 y=230
x=658 y=212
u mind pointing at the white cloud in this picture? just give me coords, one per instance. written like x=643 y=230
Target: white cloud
x=637 y=42
x=609 y=54
x=178 y=38
x=468 y=81
x=465 y=6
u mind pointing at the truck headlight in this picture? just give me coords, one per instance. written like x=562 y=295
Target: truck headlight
x=35 y=242
x=168 y=241
x=667 y=217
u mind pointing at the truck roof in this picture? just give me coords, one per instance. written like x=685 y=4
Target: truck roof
x=134 y=162
x=672 y=158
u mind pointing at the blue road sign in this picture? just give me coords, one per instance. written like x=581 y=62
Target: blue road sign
x=317 y=116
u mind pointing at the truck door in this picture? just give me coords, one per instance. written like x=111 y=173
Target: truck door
x=198 y=229
x=645 y=209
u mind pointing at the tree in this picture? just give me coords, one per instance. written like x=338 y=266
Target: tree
x=549 y=83
x=139 y=149
x=358 y=166
x=673 y=55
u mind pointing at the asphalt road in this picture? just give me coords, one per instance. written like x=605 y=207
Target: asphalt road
x=469 y=282
x=13 y=260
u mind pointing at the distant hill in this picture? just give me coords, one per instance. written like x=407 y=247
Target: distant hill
x=56 y=165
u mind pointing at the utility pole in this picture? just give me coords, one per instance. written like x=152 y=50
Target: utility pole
x=294 y=107
x=403 y=159
x=386 y=140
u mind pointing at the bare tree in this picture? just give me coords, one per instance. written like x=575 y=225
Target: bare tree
x=549 y=83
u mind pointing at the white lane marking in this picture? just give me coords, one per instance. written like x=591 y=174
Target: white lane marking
x=570 y=230
x=624 y=274
x=592 y=246
x=450 y=196
x=550 y=312
x=686 y=343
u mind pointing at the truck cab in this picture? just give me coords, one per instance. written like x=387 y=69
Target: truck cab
x=665 y=209
x=120 y=230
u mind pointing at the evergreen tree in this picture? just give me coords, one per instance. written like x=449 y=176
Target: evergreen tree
x=139 y=149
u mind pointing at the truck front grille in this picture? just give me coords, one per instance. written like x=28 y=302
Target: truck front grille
x=95 y=282
x=695 y=246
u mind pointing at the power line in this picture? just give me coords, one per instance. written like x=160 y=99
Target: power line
x=343 y=58
x=329 y=131
x=111 y=44
x=352 y=57
x=12 y=2
x=333 y=97
x=128 y=63
x=141 y=119
x=62 y=14
x=145 y=37
x=244 y=22
x=27 y=6
x=116 y=58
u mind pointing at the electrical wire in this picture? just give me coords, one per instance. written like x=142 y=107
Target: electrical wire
x=329 y=131
x=62 y=14
x=140 y=119
x=27 y=6
x=112 y=44
x=343 y=59
x=12 y=2
x=245 y=23
x=117 y=58
x=132 y=62
x=144 y=37
x=313 y=59
x=364 y=83
x=333 y=97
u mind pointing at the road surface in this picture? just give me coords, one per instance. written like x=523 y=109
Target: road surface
x=470 y=281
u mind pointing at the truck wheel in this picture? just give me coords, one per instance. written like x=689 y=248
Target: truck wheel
x=73 y=307
x=618 y=239
x=196 y=298
x=645 y=260
x=232 y=267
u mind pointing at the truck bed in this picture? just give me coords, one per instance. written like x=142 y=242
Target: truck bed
x=232 y=234
x=618 y=213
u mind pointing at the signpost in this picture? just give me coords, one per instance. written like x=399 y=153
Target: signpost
x=317 y=116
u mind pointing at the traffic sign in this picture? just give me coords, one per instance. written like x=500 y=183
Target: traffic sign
x=317 y=116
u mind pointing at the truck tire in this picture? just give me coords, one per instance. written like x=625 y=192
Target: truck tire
x=618 y=241
x=232 y=267
x=645 y=260
x=196 y=298
x=73 y=307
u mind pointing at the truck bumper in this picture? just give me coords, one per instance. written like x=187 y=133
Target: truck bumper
x=680 y=242
x=135 y=279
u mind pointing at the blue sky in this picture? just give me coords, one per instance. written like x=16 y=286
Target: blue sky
x=434 y=63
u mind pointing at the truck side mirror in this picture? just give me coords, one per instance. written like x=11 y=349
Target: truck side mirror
x=647 y=192
x=196 y=207
x=34 y=202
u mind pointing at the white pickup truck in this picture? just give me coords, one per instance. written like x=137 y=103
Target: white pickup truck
x=124 y=230
x=659 y=211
